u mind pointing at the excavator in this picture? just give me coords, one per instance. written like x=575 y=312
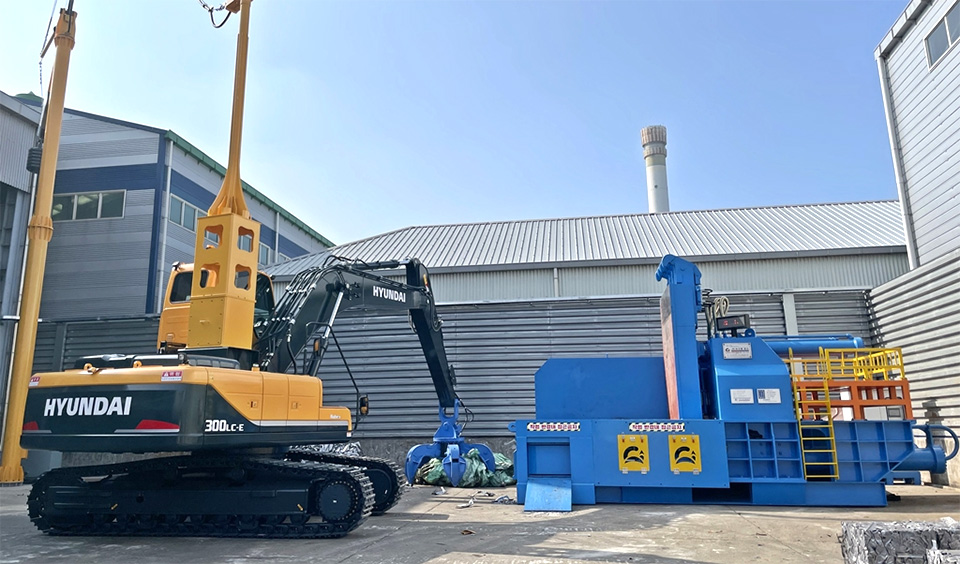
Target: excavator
x=230 y=407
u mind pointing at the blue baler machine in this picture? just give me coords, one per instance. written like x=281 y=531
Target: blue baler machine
x=734 y=419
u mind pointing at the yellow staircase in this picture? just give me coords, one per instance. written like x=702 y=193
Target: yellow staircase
x=811 y=397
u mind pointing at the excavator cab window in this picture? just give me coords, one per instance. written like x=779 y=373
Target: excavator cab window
x=181 y=287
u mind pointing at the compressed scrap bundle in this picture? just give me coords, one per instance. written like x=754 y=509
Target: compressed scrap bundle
x=943 y=557
x=476 y=475
x=901 y=542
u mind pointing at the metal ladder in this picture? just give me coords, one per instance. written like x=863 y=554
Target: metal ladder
x=813 y=410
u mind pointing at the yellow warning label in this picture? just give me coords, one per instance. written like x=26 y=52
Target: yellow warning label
x=685 y=453
x=634 y=453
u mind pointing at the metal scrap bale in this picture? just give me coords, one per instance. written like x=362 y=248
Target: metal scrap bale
x=900 y=542
x=943 y=557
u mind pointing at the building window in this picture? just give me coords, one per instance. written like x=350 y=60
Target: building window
x=944 y=35
x=88 y=205
x=282 y=257
x=184 y=214
x=264 y=255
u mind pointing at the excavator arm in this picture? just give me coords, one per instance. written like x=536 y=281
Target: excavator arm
x=309 y=309
x=316 y=296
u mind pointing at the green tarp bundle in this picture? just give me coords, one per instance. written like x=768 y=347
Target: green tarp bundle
x=476 y=475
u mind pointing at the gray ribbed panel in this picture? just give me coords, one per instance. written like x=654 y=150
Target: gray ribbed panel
x=495 y=349
x=45 y=355
x=920 y=312
x=771 y=230
x=88 y=143
x=133 y=336
x=98 y=267
x=125 y=147
x=17 y=132
x=80 y=125
x=926 y=104
x=832 y=313
x=765 y=310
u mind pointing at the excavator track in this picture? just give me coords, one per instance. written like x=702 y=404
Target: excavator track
x=387 y=477
x=209 y=496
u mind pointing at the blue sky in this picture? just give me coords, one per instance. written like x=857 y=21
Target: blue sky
x=368 y=116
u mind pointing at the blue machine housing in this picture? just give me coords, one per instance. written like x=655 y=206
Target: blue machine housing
x=709 y=422
x=746 y=381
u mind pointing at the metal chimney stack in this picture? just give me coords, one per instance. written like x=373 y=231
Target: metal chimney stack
x=654 y=140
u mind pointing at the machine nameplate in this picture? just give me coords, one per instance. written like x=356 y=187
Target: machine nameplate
x=552 y=426
x=685 y=453
x=737 y=351
x=768 y=395
x=671 y=427
x=221 y=426
x=83 y=406
x=634 y=453
x=741 y=395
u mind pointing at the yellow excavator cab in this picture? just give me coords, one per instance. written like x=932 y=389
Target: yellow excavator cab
x=175 y=317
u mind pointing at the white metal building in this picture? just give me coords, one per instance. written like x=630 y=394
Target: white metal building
x=780 y=248
x=919 y=66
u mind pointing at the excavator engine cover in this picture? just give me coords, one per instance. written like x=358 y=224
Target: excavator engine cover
x=178 y=407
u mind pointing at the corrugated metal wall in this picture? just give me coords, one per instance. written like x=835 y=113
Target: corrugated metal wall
x=833 y=313
x=920 y=312
x=90 y=143
x=925 y=102
x=60 y=343
x=99 y=267
x=17 y=132
x=495 y=348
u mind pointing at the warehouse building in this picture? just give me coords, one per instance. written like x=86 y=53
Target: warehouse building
x=919 y=67
x=126 y=202
x=513 y=294
x=125 y=207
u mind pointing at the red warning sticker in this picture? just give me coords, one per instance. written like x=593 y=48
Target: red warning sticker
x=172 y=376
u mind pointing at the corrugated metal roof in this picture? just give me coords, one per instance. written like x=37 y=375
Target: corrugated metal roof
x=802 y=230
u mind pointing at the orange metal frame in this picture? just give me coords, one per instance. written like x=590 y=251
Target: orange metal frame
x=863 y=394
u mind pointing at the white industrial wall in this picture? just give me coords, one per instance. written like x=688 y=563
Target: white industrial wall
x=926 y=110
x=920 y=312
x=824 y=272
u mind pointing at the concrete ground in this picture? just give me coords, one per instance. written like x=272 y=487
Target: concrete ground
x=425 y=528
